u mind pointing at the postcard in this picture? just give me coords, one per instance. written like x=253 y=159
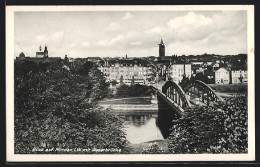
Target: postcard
x=130 y=83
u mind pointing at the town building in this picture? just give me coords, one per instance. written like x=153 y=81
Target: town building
x=41 y=57
x=222 y=76
x=42 y=54
x=177 y=71
x=161 y=49
x=239 y=76
x=21 y=56
x=126 y=70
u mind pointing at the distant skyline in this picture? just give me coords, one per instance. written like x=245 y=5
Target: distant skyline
x=135 y=33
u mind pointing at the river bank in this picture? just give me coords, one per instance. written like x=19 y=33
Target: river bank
x=137 y=148
x=139 y=115
x=146 y=103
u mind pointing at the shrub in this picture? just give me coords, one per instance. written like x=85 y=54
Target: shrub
x=152 y=149
x=134 y=90
x=221 y=128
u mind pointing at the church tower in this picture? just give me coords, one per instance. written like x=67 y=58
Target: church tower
x=45 y=52
x=161 y=49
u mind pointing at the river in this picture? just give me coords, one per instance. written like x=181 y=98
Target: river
x=141 y=127
x=139 y=117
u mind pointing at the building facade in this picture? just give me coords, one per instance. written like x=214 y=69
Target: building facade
x=41 y=54
x=222 y=76
x=128 y=71
x=239 y=76
x=176 y=72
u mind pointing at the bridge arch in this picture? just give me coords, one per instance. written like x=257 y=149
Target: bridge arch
x=175 y=93
x=202 y=91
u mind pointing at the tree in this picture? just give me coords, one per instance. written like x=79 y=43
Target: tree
x=121 y=79
x=114 y=82
x=192 y=78
x=220 y=128
x=51 y=112
x=83 y=69
x=98 y=84
x=200 y=76
x=241 y=79
x=133 y=80
x=123 y=90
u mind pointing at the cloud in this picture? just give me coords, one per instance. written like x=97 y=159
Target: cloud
x=155 y=30
x=116 y=33
x=41 y=38
x=73 y=44
x=127 y=16
x=57 y=35
x=113 y=27
x=136 y=43
x=190 y=19
x=86 y=44
x=110 y=42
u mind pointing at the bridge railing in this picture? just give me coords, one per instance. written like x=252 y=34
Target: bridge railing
x=175 y=93
x=202 y=91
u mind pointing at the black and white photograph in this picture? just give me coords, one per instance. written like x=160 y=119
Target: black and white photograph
x=130 y=83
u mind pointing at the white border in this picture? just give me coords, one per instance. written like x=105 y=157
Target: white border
x=11 y=157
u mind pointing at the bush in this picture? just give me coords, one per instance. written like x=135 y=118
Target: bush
x=134 y=90
x=114 y=82
x=152 y=149
x=221 y=128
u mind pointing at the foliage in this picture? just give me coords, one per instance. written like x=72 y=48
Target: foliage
x=133 y=80
x=221 y=128
x=83 y=69
x=233 y=88
x=114 y=82
x=123 y=90
x=200 y=76
x=52 y=112
x=134 y=90
x=153 y=148
x=98 y=85
x=121 y=79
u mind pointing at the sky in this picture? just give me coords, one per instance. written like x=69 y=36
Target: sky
x=135 y=33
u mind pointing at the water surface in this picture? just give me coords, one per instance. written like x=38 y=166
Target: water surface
x=141 y=127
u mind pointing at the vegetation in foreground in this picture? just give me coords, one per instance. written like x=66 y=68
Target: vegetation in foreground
x=55 y=111
x=220 y=128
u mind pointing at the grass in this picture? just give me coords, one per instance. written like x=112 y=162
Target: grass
x=229 y=88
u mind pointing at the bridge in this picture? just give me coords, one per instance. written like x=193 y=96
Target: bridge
x=174 y=99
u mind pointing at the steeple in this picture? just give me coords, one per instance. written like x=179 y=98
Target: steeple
x=161 y=42
x=45 y=52
x=161 y=49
